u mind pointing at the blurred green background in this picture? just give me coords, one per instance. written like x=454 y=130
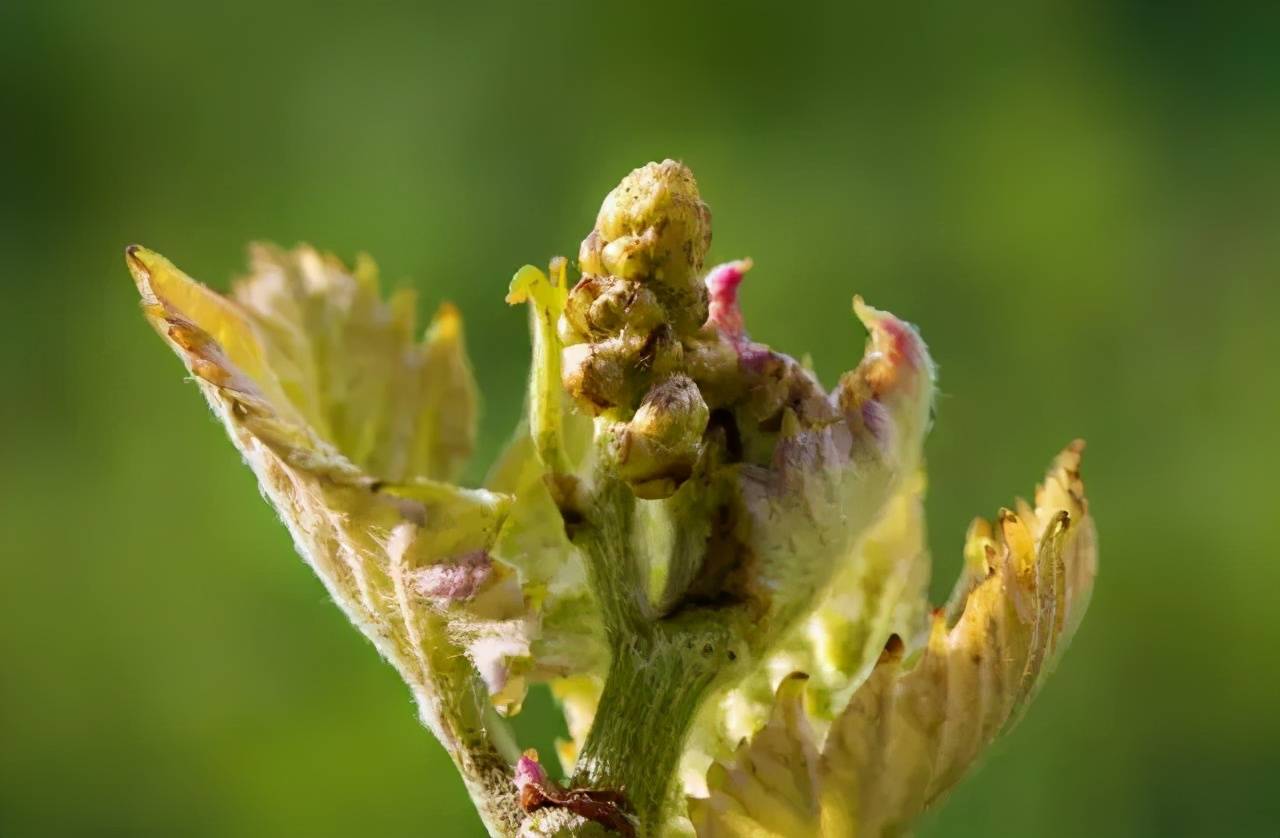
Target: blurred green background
x=1079 y=203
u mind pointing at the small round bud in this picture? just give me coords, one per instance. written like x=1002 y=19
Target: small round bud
x=626 y=304
x=661 y=355
x=629 y=256
x=567 y=334
x=657 y=450
x=600 y=306
x=577 y=307
x=595 y=376
x=712 y=361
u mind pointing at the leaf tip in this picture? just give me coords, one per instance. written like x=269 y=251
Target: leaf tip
x=447 y=323
x=137 y=259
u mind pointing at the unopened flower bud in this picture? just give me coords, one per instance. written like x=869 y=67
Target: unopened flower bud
x=712 y=361
x=575 y=322
x=617 y=371
x=630 y=256
x=595 y=375
x=599 y=306
x=657 y=449
x=662 y=355
x=654 y=227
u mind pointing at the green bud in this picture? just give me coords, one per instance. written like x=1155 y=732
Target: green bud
x=655 y=452
x=596 y=375
x=712 y=362
x=599 y=306
x=615 y=373
x=654 y=228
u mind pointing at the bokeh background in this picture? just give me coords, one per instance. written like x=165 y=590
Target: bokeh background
x=1079 y=203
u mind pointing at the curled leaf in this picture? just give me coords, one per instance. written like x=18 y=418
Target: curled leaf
x=911 y=731
x=343 y=420
x=837 y=464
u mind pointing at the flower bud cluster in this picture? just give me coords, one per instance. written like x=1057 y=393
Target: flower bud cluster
x=652 y=347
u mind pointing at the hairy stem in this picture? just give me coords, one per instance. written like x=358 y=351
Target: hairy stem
x=662 y=668
x=614 y=566
x=452 y=702
x=479 y=743
x=657 y=682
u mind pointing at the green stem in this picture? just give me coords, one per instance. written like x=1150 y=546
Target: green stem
x=656 y=684
x=478 y=742
x=661 y=671
x=613 y=567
